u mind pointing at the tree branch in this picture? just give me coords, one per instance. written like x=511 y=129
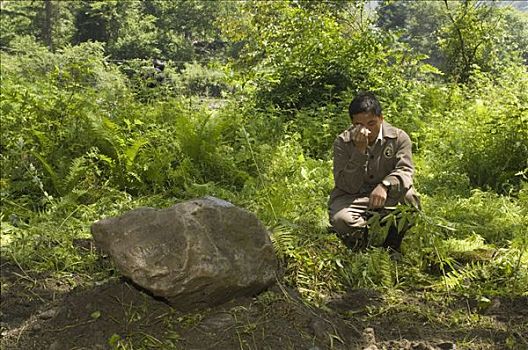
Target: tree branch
x=459 y=33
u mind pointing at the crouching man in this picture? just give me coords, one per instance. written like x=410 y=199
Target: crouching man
x=373 y=171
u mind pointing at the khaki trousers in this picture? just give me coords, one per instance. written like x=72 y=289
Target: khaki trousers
x=348 y=212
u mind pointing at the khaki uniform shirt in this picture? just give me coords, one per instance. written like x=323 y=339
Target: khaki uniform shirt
x=357 y=173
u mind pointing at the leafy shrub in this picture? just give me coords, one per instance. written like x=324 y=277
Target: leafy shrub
x=497 y=219
x=201 y=80
x=60 y=121
x=318 y=127
x=291 y=187
x=149 y=85
x=480 y=134
x=295 y=58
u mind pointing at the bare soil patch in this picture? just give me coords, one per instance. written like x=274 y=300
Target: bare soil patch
x=43 y=312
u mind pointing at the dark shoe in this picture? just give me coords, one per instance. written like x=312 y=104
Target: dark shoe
x=394 y=239
x=356 y=240
x=395 y=255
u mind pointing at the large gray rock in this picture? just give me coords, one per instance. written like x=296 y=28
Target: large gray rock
x=197 y=253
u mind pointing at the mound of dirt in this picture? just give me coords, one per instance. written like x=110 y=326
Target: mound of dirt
x=41 y=312
x=117 y=312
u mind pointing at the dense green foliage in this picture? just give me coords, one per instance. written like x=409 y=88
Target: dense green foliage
x=252 y=120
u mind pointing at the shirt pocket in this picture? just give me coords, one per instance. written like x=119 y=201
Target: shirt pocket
x=388 y=157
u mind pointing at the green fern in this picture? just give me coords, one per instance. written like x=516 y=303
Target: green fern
x=457 y=278
x=132 y=151
x=75 y=172
x=370 y=269
x=106 y=135
x=283 y=240
x=55 y=180
x=112 y=144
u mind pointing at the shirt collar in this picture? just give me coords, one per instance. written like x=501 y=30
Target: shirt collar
x=380 y=134
x=379 y=139
x=389 y=131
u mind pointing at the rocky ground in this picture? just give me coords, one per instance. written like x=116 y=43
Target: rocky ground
x=39 y=311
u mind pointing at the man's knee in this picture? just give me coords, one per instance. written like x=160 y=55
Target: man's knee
x=346 y=221
x=351 y=228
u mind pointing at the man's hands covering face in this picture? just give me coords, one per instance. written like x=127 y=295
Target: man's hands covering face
x=360 y=137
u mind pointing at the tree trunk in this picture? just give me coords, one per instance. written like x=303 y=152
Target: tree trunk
x=47 y=34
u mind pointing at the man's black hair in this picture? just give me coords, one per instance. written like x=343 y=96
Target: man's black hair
x=365 y=101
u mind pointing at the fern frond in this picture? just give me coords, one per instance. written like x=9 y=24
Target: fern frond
x=105 y=133
x=76 y=170
x=458 y=278
x=51 y=172
x=132 y=151
x=283 y=240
